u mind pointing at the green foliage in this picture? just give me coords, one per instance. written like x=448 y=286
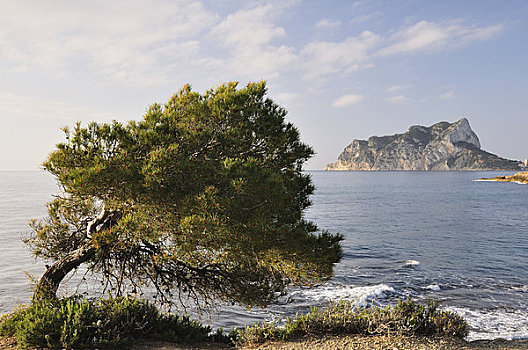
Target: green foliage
x=407 y=318
x=210 y=195
x=74 y=323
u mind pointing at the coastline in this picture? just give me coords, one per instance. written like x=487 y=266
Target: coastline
x=426 y=180
x=408 y=171
x=520 y=177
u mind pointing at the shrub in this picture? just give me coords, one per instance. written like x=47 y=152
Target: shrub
x=343 y=317
x=76 y=323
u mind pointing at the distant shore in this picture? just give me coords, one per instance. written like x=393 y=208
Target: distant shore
x=520 y=177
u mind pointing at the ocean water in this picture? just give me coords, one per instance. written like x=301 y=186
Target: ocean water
x=424 y=235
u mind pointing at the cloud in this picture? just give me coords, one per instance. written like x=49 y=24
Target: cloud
x=347 y=100
x=131 y=43
x=234 y=29
x=250 y=36
x=395 y=88
x=396 y=99
x=34 y=108
x=138 y=46
x=447 y=95
x=286 y=97
x=429 y=36
x=31 y=126
x=326 y=23
x=323 y=57
x=364 y=18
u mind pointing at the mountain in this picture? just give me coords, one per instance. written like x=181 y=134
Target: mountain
x=442 y=146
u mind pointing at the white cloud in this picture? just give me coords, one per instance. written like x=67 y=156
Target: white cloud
x=35 y=108
x=347 y=100
x=447 y=95
x=151 y=43
x=286 y=97
x=250 y=35
x=427 y=35
x=396 y=99
x=326 y=23
x=31 y=126
x=395 y=88
x=364 y=18
x=132 y=43
x=324 y=58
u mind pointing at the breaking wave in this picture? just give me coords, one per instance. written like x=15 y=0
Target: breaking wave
x=491 y=324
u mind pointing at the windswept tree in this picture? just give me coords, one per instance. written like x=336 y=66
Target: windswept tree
x=204 y=197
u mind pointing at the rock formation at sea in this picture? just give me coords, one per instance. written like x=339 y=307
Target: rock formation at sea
x=521 y=177
x=442 y=146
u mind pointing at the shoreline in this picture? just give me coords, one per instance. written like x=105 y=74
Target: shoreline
x=520 y=178
x=409 y=171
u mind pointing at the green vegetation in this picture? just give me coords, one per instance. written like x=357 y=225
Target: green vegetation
x=203 y=198
x=74 y=323
x=407 y=318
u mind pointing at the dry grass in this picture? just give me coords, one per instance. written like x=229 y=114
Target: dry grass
x=386 y=342
x=329 y=342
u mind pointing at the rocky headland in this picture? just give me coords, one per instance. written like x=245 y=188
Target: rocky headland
x=521 y=177
x=442 y=146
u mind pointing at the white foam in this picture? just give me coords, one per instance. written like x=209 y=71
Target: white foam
x=488 y=180
x=360 y=296
x=411 y=263
x=521 y=288
x=434 y=287
x=494 y=324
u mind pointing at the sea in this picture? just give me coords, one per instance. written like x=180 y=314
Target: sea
x=422 y=235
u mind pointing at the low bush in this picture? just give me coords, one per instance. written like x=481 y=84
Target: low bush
x=406 y=318
x=74 y=323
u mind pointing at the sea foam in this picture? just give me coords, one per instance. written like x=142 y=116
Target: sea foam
x=411 y=263
x=434 y=287
x=492 y=324
x=361 y=296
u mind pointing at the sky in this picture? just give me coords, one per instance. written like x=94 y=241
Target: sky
x=343 y=70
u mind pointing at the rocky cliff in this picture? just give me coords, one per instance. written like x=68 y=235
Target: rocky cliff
x=442 y=146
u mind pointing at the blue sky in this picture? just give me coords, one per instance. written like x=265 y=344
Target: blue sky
x=342 y=69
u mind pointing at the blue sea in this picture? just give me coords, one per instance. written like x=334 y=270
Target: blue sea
x=423 y=235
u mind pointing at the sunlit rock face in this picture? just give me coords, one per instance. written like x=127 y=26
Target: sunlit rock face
x=442 y=146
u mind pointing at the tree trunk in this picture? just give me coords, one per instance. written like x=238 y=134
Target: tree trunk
x=52 y=278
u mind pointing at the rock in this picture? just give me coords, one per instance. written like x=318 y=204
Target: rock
x=521 y=177
x=442 y=146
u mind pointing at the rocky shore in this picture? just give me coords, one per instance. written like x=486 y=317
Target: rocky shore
x=521 y=177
